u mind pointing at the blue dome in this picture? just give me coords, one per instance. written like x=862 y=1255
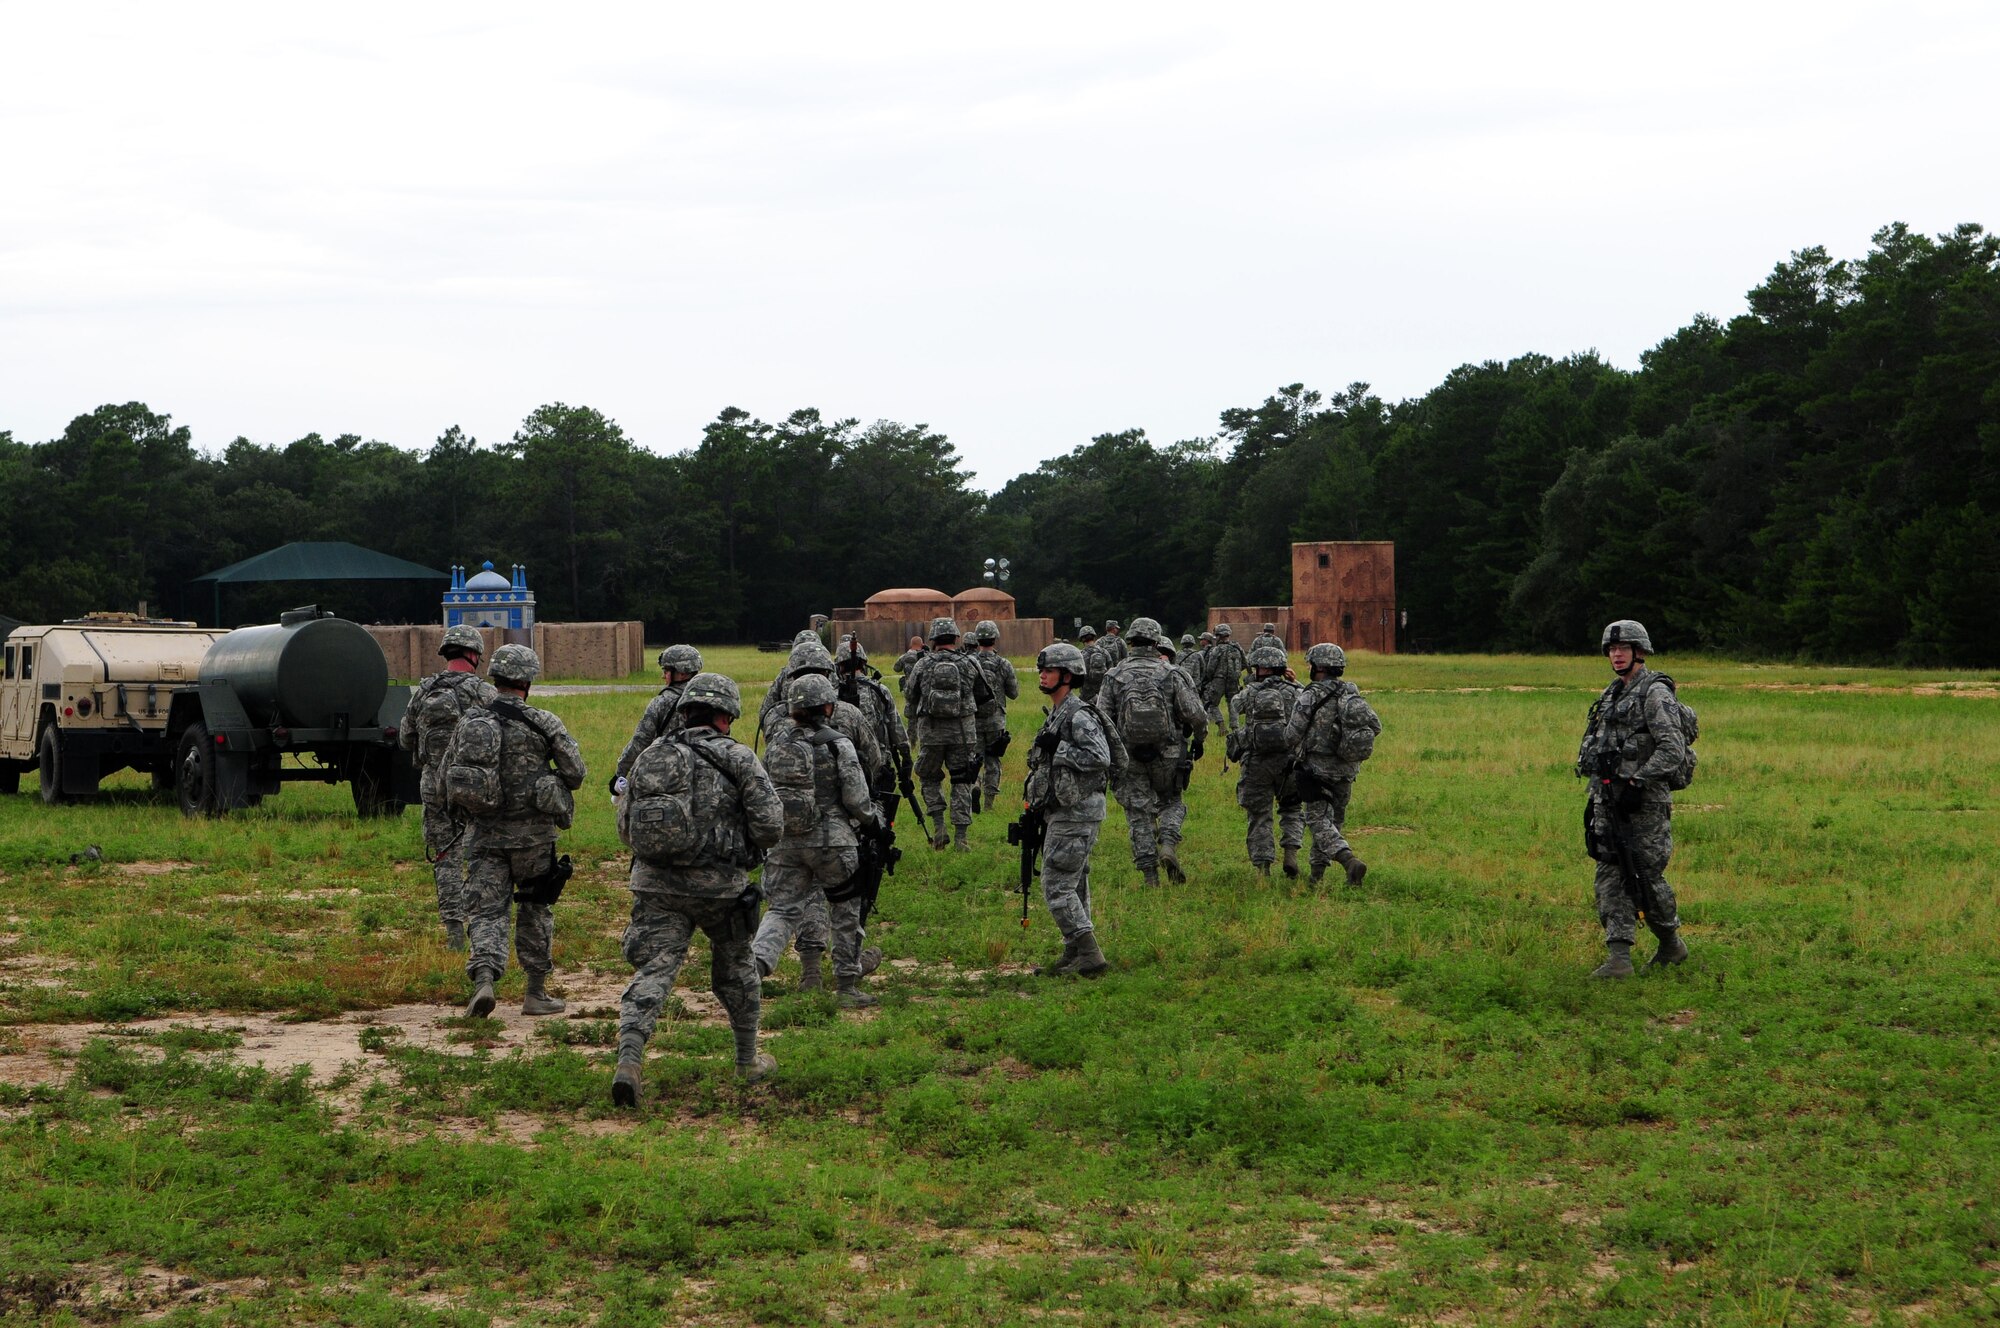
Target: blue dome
x=489 y=579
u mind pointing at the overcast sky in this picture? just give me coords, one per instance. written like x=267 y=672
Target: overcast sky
x=1021 y=225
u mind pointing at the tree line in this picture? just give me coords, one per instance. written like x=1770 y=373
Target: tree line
x=1817 y=476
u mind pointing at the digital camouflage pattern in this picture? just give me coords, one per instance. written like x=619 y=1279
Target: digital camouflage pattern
x=1150 y=788
x=1096 y=664
x=1636 y=723
x=802 y=868
x=663 y=716
x=992 y=717
x=1263 y=783
x=1314 y=731
x=947 y=745
x=426 y=728
x=1068 y=785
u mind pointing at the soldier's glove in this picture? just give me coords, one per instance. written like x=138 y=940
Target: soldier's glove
x=1047 y=741
x=1196 y=748
x=617 y=785
x=1630 y=796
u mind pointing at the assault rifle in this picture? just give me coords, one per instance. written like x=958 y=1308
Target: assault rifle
x=879 y=856
x=1606 y=774
x=909 y=791
x=1030 y=832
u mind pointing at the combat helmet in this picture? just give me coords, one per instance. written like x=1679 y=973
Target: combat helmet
x=943 y=627
x=809 y=691
x=681 y=659
x=851 y=652
x=1626 y=632
x=1143 y=630
x=1062 y=655
x=1222 y=631
x=1165 y=645
x=1270 y=629
x=1267 y=657
x=462 y=637
x=987 y=632
x=1326 y=655
x=1187 y=639
x=803 y=635
x=714 y=691
x=1086 y=633
x=810 y=657
x=1111 y=625
x=515 y=664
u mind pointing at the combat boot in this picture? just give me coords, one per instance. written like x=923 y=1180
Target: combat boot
x=1673 y=950
x=851 y=997
x=757 y=1070
x=1062 y=965
x=538 y=1001
x=1292 y=863
x=871 y=959
x=625 y=1085
x=1263 y=869
x=1618 y=964
x=1090 y=961
x=942 y=839
x=483 y=999
x=1150 y=876
x=454 y=935
x=810 y=978
x=1171 y=861
x=958 y=839
x=1356 y=868
x=1317 y=874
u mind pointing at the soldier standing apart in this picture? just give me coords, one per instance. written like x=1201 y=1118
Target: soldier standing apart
x=1268 y=637
x=538 y=768
x=1068 y=768
x=1226 y=663
x=1113 y=644
x=907 y=660
x=663 y=712
x=1263 y=745
x=992 y=716
x=727 y=814
x=1095 y=663
x=1155 y=711
x=1334 y=730
x=826 y=799
x=433 y=712
x=1633 y=749
x=946 y=689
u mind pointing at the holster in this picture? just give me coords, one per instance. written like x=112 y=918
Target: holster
x=545 y=889
x=745 y=912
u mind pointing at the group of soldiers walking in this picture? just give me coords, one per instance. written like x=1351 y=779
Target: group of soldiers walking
x=1128 y=715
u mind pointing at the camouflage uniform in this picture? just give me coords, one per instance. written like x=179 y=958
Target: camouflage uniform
x=1635 y=721
x=1150 y=789
x=1068 y=784
x=947 y=744
x=1224 y=662
x=992 y=717
x=802 y=868
x=1097 y=662
x=516 y=843
x=1113 y=644
x=1314 y=730
x=433 y=712
x=729 y=789
x=662 y=718
x=1268 y=637
x=1262 y=782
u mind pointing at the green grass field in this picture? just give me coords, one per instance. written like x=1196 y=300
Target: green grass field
x=1401 y=1103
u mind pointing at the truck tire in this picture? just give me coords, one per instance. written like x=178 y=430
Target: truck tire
x=51 y=762
x=374 y=786
x=194 y=772
x=10 y=777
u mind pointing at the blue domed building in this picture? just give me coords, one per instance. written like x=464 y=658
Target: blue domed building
x=488 y=599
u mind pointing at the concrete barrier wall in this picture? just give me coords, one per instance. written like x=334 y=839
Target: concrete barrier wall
x=884 y=641
x=567 y=650
x=1246 y=621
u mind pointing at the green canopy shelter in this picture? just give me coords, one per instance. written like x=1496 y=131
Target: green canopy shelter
x=316 y=560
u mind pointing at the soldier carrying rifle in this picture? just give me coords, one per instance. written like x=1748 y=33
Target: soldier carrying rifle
x=1069 y=767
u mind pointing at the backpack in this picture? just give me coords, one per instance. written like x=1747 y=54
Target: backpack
x=793 y=763
x=1359 y=725
x=439 y=706
x=472 y=777
x=1264 y=711
x=945 y=693
x=1690 y=725
x=656 y=815
x=1145 y=713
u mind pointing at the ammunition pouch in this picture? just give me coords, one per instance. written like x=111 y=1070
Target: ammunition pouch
x=1306 y=785
x=546 y=888
x=1598 y=850
x=998 y=747
x=1144 y=753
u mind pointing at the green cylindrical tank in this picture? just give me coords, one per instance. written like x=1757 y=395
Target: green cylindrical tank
x=301 y=671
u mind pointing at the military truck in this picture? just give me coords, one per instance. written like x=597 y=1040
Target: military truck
x=311 y=687
x=90 y=696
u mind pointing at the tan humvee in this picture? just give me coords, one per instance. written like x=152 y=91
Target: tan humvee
x=90 y=696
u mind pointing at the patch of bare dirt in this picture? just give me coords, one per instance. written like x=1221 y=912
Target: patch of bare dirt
x=1965 y=691
x=149 y=868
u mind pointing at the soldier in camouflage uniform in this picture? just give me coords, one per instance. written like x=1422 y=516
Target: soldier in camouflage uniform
x=907 y=660
x=992 y=717
x=1318 y=730
x=1113 y=644
x=517 y=843
x=1225 y=663
x=1632 y=744
x=1096 y=663
x=806 y=865
x=946 y=689
x=428 y=721
x=1155 y=711
x=1263 y=746
x=861 y=687
x=663 y=712
x=730 y=791
x=1268 y=637
x=1068 y=768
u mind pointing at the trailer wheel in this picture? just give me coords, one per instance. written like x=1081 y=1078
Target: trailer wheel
x=50 y=752
x=194 y=772
x=374 y=785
